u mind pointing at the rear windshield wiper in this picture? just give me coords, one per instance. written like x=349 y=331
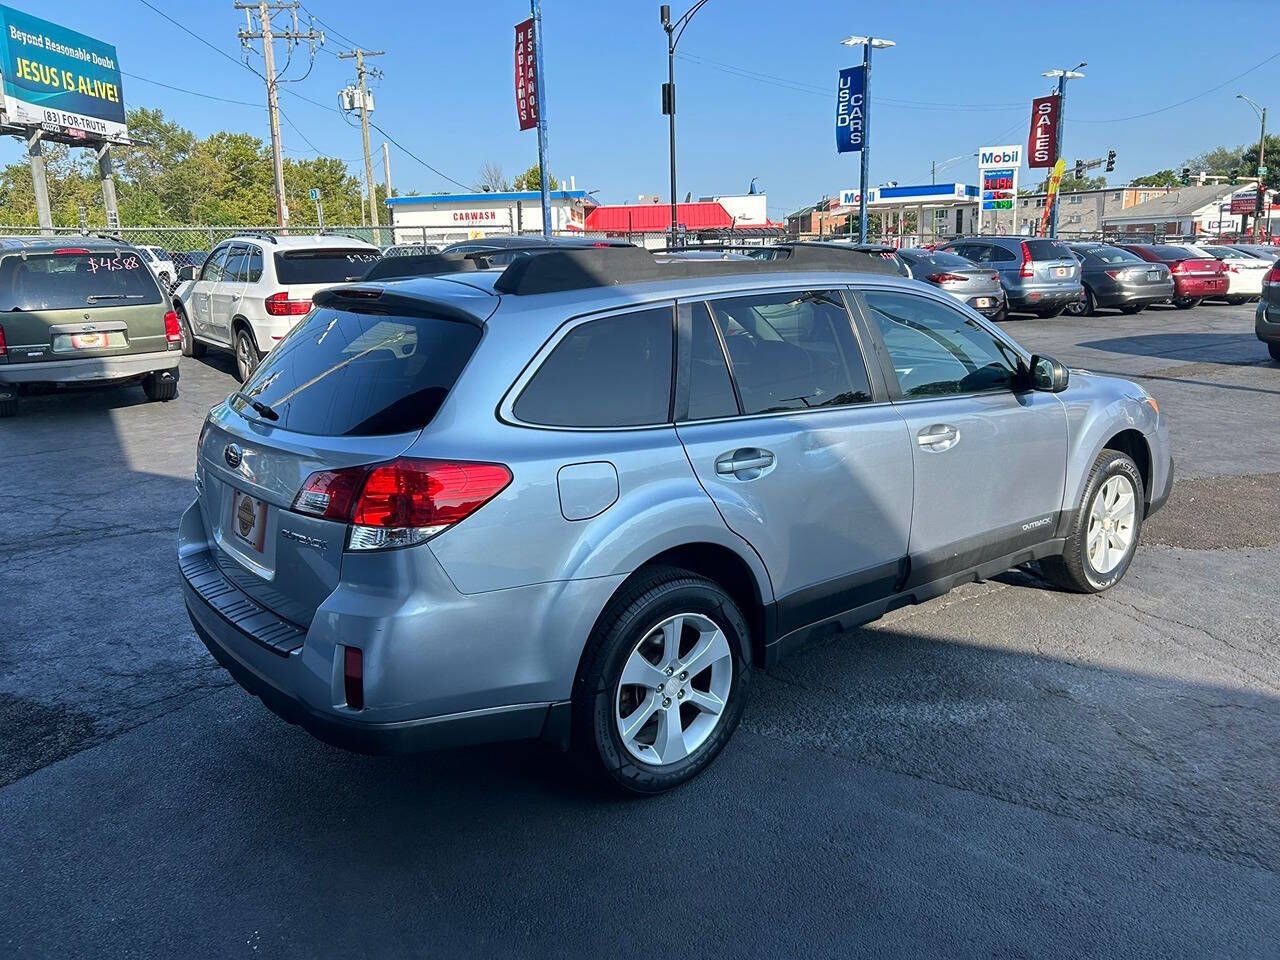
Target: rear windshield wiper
x=94 y=297
x=262 y=409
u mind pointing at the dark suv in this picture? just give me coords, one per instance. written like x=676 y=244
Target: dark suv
x=83 y=311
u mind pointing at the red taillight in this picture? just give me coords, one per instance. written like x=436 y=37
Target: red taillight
x=1026 y=270
x=172 y=329
x=945 y=277
x=402 y=502
x=353 y=677
x=1114 y=274
x=1178 y=266
x=4 y=350
x=279 y=305
x=1271 y=276
x=70 y=251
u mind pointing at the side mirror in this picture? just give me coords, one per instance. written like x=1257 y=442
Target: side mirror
x=186 y=273
x=1048 y=374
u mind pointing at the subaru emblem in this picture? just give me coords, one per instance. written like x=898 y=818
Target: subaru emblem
x=233 y=455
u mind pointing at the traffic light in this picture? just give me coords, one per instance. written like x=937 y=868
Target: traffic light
x=1186 y=176
x=1234 y=177
x=1111 y=161
x=1079 y=169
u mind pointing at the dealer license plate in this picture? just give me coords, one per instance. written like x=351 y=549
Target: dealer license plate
x=249 y=520
x=1153 y=274
x=1061 y=271
x=982 y=302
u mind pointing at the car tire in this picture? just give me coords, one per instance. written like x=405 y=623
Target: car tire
x=8 y=402
x=1274 y=350
x=1094 y=559
x=1132 y=308
x=1186 y=303
x=161 y=385
x=191 y=347
x=247 y=354
x=637 y=637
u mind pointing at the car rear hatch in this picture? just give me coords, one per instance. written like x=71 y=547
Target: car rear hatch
x=62 y=303
x=301 y=274
x=347 y=388
x=1052 y=262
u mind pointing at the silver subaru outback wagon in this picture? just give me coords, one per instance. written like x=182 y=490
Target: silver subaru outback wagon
x=581 y=499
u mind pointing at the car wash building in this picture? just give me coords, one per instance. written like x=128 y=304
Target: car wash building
x=449 y=217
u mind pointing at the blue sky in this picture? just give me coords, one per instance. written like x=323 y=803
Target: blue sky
x=756 y=85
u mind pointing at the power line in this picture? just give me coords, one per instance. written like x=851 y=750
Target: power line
x=1152 y=113
x=218 y=50
x=193 y=93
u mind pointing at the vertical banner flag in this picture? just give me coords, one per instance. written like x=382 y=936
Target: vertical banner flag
x=1055 y=180
x=1042 y=142
x=526 y=77
x=849 y=110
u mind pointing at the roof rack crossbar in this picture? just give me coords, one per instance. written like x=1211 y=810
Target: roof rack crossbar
x=609 y=266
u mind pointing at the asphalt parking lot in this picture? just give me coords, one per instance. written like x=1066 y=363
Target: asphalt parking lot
x=1005 y=771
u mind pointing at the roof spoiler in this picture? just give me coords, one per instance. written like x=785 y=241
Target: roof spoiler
x=608 y=266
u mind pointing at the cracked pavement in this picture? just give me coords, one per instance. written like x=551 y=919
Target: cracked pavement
x=1005 y=771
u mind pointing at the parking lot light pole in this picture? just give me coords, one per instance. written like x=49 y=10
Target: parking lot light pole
x=1261 y=111
x=867 y=43
x=674 y=30
x=1063 y=76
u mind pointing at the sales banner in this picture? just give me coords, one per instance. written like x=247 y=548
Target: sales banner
x=526 y=76
x=58 y=80
x=850 y=129
x=1042 y=142
x=1055 y=180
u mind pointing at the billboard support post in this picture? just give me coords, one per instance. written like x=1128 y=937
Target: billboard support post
x=39 y=182
x=106 y=175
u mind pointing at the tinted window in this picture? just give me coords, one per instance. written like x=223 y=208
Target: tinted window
x=213 y=267
x=324 y=266
x=1172 y=253
x=234 y=269
x=710 y=389
x=1111 y=255
x=68 y=281
x=792 y=351
x=937 y=350
x=940 y=258
x=1001 y=255
x=612 y=372
x=340 y=373
x=1047 y=249
x=244 y=265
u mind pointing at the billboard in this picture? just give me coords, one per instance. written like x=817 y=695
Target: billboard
x=850 y=129
x=526 y=76
x=59 y=80
x=1042 y=141
x=998 y=173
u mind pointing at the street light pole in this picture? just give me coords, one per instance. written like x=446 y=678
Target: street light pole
x=1261 y=111
x=1063 y=76
x=674 y=30
x=866 y=43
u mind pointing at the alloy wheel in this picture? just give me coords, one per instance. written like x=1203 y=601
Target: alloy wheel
x=1111 y=518
x=674 y=686
x=245 y=361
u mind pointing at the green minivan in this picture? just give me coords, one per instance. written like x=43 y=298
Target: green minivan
x=83 y=311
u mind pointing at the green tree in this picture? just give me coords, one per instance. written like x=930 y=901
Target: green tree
x=1070 y=184
x=531 y=179
x=1161 y=178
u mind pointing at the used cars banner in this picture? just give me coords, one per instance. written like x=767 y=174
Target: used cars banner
x=849 y=110
x=58 y=79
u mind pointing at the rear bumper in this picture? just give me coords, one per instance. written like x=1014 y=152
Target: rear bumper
x=1266 y=322
x=89 y=369
x=1034 y=298
x=1196 y=287
x=1114 y=294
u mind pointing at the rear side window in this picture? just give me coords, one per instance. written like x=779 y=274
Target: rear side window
x=1112 y=255
x=611 y=372
x=710 y=389
x=70 y=280
x=792 y=351
x=324 y=266
x=1048 y=250
x=341 y=373
x=1165 y=252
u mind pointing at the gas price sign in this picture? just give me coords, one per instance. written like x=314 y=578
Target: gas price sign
x=998 y=188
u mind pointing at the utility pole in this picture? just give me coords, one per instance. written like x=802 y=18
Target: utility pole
x=386 y=167
x=268 y=35
x=362 y=72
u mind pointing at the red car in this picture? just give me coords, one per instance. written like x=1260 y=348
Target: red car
x=1194 y=278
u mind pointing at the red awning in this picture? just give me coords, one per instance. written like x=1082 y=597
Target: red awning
x=656 y=217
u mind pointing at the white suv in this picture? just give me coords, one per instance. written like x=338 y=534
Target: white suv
x=252 y=290
x=161 y=264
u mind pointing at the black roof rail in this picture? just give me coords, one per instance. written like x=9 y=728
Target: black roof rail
x=420 y=265
x=257 y=235
x=608 y=266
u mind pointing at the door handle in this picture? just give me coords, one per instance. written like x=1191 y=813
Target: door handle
x=939 y=436
x=745 y=460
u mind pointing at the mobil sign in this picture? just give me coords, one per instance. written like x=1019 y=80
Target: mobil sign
x=1008 y=156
